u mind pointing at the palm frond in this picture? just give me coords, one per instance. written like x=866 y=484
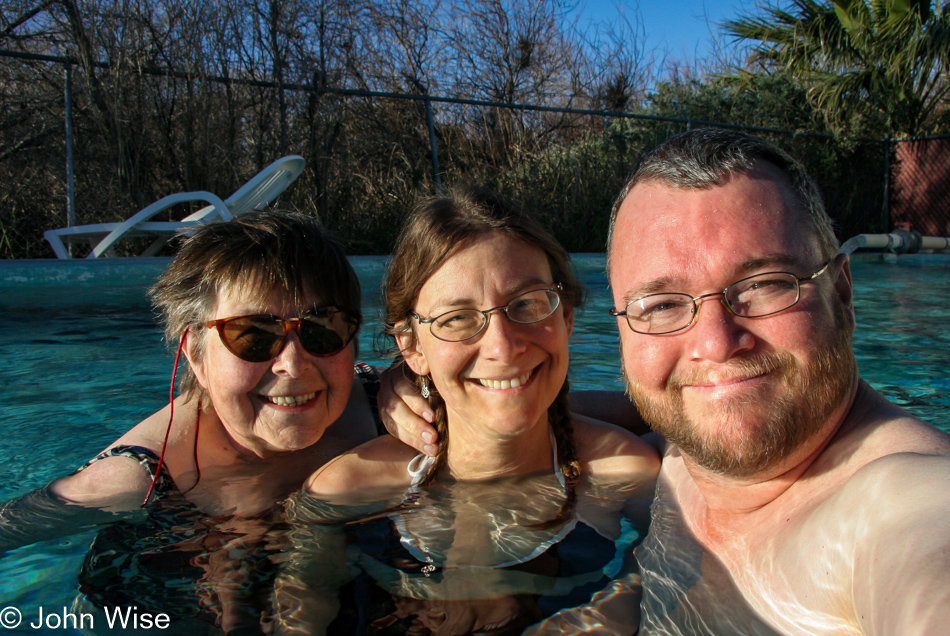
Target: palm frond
x=857 y=56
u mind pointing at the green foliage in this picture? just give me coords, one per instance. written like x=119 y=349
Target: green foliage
x=850 y=172
x=766 y=101
x=879 y=64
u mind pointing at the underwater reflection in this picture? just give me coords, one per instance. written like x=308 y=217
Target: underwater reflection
x=169 y=563
x=456 y=558
x=209 y=575
x=504 y=615
x=686 y=590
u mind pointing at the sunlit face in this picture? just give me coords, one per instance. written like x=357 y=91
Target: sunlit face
x=271 y=407
x=504 y=378
x=737 y=395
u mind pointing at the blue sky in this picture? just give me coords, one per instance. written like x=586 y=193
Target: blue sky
x=681 y=29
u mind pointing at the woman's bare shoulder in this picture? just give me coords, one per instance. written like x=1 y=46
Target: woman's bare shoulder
x=379 y=463
x=606 y=450
x=113 y=479
x=115 y=483
x=150 y=432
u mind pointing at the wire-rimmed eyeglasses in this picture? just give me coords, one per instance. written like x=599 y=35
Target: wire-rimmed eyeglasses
x=752 y=297
x=462 y=324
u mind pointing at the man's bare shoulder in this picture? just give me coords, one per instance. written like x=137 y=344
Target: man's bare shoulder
x=877 y=427
x=896 y=476
x=899 y=514
x=873 y=528
x=873 y=460
x=901 y=481
x=379 y=463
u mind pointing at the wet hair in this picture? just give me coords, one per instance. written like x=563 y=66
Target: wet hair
x=707 y=157
x=438 y=228
x=258 y=254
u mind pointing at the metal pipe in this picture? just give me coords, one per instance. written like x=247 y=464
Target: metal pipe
x=899 y=242
x=430 y=123
x=935 y=243
x=146 y=70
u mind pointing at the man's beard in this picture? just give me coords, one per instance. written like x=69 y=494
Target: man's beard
x=739 y=451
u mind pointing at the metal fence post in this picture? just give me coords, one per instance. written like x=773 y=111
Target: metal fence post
x=430 y=123
x=887 y=184
x=70 y=191
x=435 y=150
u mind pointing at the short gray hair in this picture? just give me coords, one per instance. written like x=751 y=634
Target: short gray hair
x=258 y=254
x=706 y=157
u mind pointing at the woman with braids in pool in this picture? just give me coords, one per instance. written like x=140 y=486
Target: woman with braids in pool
x=480 y=301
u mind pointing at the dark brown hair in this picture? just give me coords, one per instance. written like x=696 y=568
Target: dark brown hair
x=260 y=254
x=436 y=229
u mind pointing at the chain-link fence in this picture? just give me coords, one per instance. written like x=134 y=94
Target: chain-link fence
x=920 y=193
x=370 y=155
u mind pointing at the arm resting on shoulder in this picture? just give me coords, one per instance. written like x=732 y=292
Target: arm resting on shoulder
x=406 y=414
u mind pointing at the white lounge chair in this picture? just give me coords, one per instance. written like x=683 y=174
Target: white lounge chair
x=253 y=195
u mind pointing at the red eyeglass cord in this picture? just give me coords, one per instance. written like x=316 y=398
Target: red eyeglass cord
x=168 y=430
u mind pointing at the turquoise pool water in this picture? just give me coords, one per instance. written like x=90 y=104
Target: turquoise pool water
x=84 y=361
x=84 y=358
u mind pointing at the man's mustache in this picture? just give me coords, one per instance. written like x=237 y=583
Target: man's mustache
x=732 y=371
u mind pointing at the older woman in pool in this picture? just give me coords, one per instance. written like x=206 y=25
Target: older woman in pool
x=266 y=309
x=480 y=301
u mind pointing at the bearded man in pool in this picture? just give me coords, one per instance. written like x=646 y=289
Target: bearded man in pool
x=827 y=505
x=793 y=498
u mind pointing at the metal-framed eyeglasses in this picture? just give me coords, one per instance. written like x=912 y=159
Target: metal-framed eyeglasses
x=752 y=297
x=462 y=324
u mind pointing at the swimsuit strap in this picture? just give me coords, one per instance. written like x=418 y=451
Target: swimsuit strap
x=147 y=458
x=369 y=380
